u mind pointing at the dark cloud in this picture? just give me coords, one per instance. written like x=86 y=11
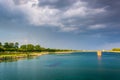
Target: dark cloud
x=110 y=18
x=60 y=4
x=96 y=19
x=8 y=14
x=112 y=6
x=19 y=2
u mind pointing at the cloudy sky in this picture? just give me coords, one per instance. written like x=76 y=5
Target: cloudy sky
x=65 y=24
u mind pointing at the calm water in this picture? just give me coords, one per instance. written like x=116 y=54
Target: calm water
x=77 y=66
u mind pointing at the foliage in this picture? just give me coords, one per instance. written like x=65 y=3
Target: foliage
x=23 y=48
x=14 y=47
x=30 y=47
x=1 y=49
x=116 y=49
x=37 y=48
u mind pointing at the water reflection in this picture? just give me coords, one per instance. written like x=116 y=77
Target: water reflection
x=16 y=59
x=99 y=54
x=8 y=60
x=86 y=66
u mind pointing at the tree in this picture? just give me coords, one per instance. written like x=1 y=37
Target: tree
x=1 y=47
x=116 y=49
x=43 y=49
x=16 y=45
x=6 y=45
x=27 y=48
x=30 y=47
x=23 y=48
x=11 y=45
x=37 y=48
x=0 y=44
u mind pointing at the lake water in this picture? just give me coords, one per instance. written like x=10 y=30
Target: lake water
x=75 y=66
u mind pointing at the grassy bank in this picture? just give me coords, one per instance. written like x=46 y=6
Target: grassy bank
x=6 y=56
x=9 y=56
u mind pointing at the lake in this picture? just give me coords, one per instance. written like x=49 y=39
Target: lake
x=73 y=66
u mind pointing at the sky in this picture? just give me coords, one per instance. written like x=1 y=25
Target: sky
x=63 y=24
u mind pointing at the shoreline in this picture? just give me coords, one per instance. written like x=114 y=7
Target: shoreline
x=16 y=56
x=22 y=55
x=6 y=56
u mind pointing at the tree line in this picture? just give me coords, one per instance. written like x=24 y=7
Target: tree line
x=116 y=49
x=15 y=47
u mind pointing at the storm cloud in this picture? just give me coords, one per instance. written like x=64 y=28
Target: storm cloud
x=95 y=18
x=67 y=15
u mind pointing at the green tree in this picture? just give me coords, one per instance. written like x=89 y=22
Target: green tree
x=11 y=45
x=16 y=45
x=43 y=49
x=23 y=48
x=116 y=49
x=0 y=44
x=30 y=47
x=1 y=47
x=6 y=45
x=37 y=48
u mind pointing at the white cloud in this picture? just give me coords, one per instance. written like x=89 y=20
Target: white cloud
x=97 y=26
x=38 y=15
x=80 y=9
x=45 y=15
